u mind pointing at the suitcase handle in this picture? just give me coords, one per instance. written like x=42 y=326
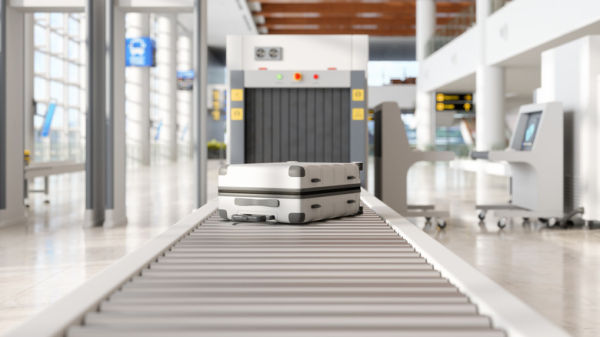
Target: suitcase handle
x=248 y=218
x=351 y=177
x=315 y=180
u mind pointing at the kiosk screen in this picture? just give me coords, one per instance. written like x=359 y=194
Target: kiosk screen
x=533 y=120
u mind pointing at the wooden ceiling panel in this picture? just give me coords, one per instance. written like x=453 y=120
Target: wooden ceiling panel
x=381 y=18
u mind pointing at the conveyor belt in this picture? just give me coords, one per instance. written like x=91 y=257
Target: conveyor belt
x=357 y=276
x=352 y=276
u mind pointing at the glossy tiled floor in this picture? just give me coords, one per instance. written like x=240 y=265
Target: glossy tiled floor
x=555 y=271
x=52 y=253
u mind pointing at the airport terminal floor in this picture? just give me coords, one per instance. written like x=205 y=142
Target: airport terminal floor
x=554 y=271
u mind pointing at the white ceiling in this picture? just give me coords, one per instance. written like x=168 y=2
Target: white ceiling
x=225 y=17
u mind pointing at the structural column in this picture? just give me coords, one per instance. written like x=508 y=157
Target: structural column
x=12 y=46
x=425 y=112
x=115 y=114
x=166 y=59
x=95 y=169
x=184 y=97
x=489 y=95
x=29 y=110
x=200 y=68
x=138 y=93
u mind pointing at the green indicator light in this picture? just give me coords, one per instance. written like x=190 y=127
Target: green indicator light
x=279 y=76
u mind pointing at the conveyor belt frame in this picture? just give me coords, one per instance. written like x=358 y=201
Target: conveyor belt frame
x=506 y=310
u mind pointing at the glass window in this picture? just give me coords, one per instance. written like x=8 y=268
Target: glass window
x=39 y=36
x=58 y=121
x=73 y=73
x=56 y=43
x=40 y=112
x=40 y=109
x=40 y=62
x=56 y=67
x=381 y=72
x=56 y=20
x=57 y=52
x=73 y=96
x=74 y=118
x=40 y=17
x=40 y=88
x=38 y=122
x=73 y=50
x=56 y=91
x=73 y=26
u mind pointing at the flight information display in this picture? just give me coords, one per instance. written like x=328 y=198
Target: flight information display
x=531 y=127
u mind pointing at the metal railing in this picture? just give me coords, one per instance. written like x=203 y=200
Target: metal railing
x=458 y=25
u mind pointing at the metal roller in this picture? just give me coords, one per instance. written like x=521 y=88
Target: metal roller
x=351 y=276
x=370 y=275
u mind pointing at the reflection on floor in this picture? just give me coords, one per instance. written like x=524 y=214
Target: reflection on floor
x=52 y=253
x=555 y=271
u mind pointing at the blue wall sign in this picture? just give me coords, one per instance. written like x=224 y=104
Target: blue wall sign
x=139 y=52
x=48 y=119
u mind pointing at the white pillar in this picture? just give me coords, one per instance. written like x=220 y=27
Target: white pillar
x=200 y=91
x=489 y=96
x=166 y=60
x=489 y=101
x=95 y=165
x=116 y=144
x=28 y=88
x=184 y=97
x=424 y=112
x=137 y=90
x=12 y=47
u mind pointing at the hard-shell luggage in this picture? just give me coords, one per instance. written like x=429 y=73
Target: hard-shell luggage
x=290 y=192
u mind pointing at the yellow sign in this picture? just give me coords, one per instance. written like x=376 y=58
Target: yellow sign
x=440 y=97
x=216 y=115
x=216 y=105
x=237 y=114
x=443 y=107
x=358 y=94
x=237 y=95
x=358 y=114
x=467 y=107
x=216 y=94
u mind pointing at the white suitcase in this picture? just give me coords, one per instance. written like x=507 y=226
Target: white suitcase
x=289 y=192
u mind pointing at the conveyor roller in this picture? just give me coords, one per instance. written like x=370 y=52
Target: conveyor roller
x=371 y=275
x=350 y=276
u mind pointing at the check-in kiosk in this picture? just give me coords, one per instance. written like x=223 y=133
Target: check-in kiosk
x=393 y=159
x=297 y=98
x=536 y=160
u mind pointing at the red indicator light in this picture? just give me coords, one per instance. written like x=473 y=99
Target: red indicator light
x=332 y=68
x=316 y=76
x=297 y=76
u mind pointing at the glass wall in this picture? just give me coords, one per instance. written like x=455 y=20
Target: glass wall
x=58 y=87
x=383 y=72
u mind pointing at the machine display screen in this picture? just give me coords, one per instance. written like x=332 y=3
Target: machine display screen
x=531 y=127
